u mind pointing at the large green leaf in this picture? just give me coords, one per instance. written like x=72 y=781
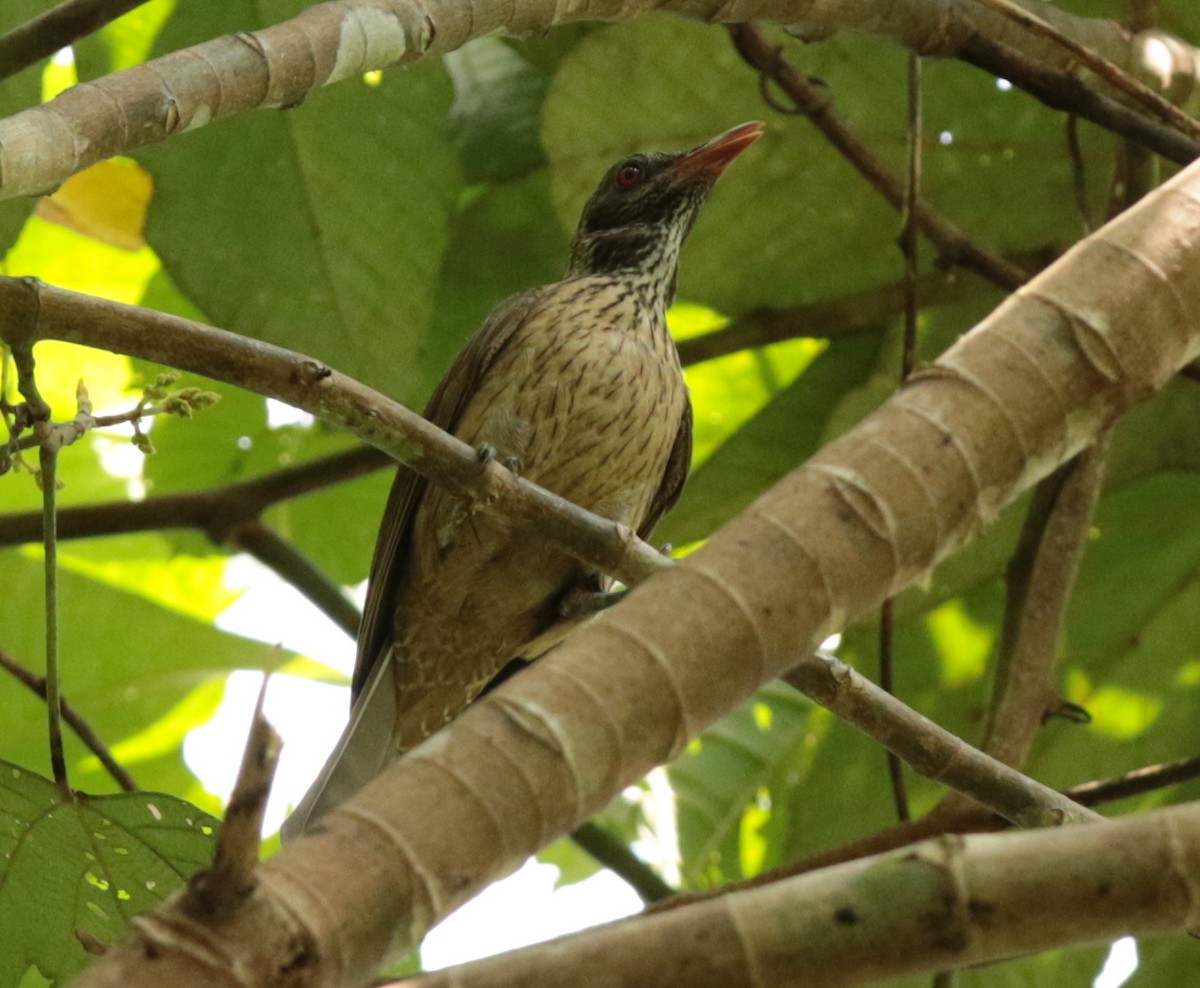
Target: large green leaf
x=322 y=228
x=126 y=661
x=497 y=110
x=76 y=870
x=784 y=434
x=786 y=204
x=727 y=785
x=125 y=42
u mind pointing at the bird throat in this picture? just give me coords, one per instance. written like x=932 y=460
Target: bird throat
x=647 y=257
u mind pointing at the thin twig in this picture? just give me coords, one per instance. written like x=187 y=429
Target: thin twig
x=217 y=511
x=1066 y=92
x=1113 y=74
x=909 y=243
x=953 y=246
x=38 y=411
x=1139 y=782
x=56 y=28
x=1038 y=585
x=1078 y=173
x=930 y=750
x=48 y=461
x=619 y=859
x=37 y=685
x=887 y=665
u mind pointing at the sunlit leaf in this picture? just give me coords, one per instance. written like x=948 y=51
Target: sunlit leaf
x=106 y=202
x=84 y=867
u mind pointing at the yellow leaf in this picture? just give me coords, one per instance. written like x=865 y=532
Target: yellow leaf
x=106 y=202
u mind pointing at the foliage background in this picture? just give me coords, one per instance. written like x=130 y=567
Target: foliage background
x=376 y=225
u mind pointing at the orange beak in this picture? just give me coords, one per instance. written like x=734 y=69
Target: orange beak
x=711 y=159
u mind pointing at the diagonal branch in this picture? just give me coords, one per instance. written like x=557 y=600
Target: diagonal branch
x=216 y=512
x=37 y=685
x=945 y=903
x=965 y=817
x=56 y=28
x=933 y=751
x=1061 y=90
x=1114 y=75
x=952 y=244
x=31 y=311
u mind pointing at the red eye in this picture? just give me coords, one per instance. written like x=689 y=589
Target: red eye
x=630 y=175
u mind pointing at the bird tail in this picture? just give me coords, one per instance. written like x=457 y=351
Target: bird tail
x=362 y=752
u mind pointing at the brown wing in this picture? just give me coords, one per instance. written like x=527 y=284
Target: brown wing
x=675 y=474
x=444 y=410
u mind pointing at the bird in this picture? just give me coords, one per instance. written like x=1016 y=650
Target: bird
x=577 y=385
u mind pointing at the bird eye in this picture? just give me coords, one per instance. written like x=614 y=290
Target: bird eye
x=630 y=175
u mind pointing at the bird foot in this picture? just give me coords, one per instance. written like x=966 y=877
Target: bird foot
x=485 y=453
x=580 y=603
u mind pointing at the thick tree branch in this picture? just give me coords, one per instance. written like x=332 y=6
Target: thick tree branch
x=951 y=902
x=951 y=817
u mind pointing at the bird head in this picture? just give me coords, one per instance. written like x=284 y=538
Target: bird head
x=638 y=217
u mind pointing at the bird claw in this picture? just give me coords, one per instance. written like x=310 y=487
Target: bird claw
x=580 y=603
x=485 y=453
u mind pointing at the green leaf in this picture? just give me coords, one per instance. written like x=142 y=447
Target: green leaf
x=85 y=866
x=332 y=219
x=497 y=110
x=727 y=785
x=123 y=43
x=778 y=439
x=785 y=203
x=573 y=864
x=125 y=660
